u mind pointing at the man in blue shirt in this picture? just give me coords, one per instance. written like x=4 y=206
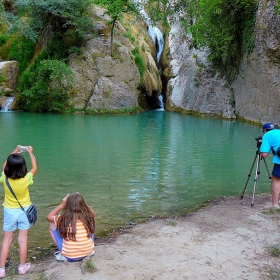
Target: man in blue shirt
x=271 y=142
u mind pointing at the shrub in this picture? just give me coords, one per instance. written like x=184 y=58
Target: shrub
x=139 y=62
x=3 y=39
x=46 y=87
x=22 y=50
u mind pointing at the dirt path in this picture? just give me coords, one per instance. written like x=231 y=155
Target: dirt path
x=226 y=239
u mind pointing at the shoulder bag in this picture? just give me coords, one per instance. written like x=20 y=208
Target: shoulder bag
x=31 y=212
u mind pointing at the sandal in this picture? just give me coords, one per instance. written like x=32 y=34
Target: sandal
x=59 y=257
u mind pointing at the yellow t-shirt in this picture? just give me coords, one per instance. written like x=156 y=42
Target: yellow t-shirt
x=20 y=188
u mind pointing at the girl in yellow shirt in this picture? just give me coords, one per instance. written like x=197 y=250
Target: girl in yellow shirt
x=15 y=170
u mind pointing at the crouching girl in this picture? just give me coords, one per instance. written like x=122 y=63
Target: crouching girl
x=73 y=229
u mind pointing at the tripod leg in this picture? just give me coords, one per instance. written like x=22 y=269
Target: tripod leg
x=268 y=173
x=256 y=179
x=249 y=175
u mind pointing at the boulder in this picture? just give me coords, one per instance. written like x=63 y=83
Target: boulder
x=101 y=79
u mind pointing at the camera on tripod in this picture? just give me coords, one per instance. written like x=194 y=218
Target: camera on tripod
x=256 y=160
x=259 y=141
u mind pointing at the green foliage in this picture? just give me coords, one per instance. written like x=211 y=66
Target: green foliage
x=40 y=276
x=1 y=81
x=129 y=35
x=159 y=10
x=47 y=17
x=122 y=111
x=76 y=50
x=22 y=50
x=275 y=250
x=139 y=62
x=4 y=39
x=225 y=27
x=277 y=8
x=46 y=87
x=89 y=266
x=272 y=273
x=117 y=7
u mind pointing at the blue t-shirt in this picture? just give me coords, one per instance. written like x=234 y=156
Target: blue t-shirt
x=271 y=139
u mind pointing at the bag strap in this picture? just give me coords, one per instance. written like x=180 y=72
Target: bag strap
x=11 y=190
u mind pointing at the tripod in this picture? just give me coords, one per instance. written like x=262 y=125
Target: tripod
x=257 y=159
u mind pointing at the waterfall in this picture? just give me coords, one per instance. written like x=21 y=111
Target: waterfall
x=161 y=105
x=156 y=35
x=6 y=105
x=153 y=31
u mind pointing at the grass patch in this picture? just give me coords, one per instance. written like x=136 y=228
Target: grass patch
x=171 y=223
x=89 y=266
x=275 y=250
x=273 y=273
x=122 y=111
x=271 y=211
x=40 y=276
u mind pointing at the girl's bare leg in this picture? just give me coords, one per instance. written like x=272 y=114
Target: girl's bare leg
x=7 y=241
x=22 y=241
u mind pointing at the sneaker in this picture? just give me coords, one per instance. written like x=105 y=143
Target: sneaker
x=59 y=257
x=2 y=272
x=23 y=268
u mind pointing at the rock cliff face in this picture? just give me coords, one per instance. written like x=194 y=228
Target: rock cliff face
x=257 y=88
x=106 y=82
x=192 y=87
x=255 y=92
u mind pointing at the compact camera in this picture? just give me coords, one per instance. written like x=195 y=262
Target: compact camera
x=23 y=149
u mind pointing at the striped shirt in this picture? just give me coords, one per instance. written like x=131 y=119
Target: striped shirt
x=81 y=247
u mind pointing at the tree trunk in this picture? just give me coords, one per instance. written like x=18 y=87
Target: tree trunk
x=112 y=34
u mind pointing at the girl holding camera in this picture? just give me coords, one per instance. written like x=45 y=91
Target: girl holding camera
x=20 y=179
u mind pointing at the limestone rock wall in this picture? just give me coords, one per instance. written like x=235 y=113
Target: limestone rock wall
x=191 y=85
x=257 y=88
x=9 y=74
x=255 y=93
x=106 y=82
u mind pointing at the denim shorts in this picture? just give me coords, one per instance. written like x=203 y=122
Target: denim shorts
x=276 y=170
x=15 y=218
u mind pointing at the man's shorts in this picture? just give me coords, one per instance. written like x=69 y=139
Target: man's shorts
x=15 y=218
x=276 y=170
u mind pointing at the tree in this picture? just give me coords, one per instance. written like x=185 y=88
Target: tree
x=47 y=17
x=115 y=9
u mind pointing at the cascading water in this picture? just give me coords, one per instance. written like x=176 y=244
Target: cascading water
x=156 y=36
x=6 y=105
x=153 y=31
